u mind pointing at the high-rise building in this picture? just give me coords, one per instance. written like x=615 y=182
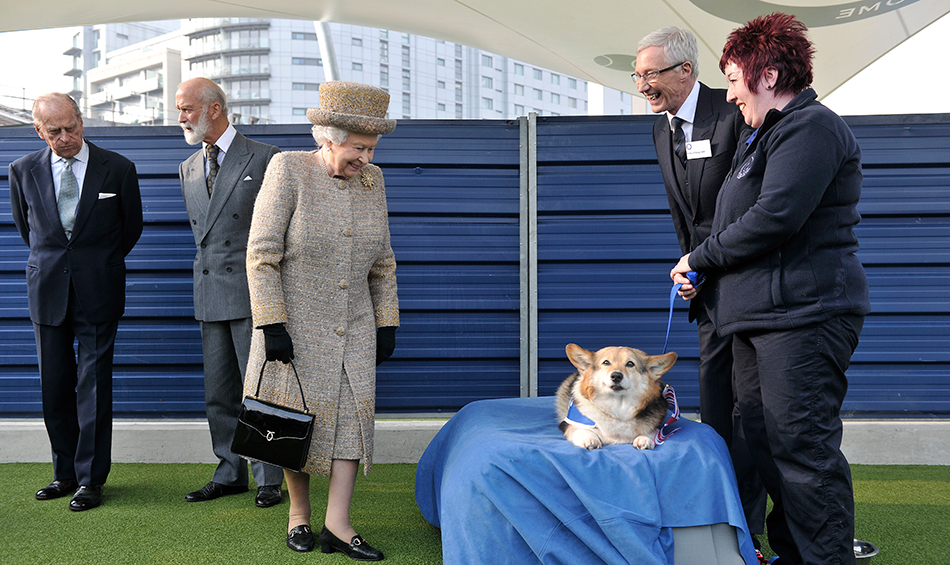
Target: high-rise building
x=271 y=70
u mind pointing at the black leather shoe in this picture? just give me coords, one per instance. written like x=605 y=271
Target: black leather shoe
x=357 y=549
x=57 y=489
x=301 y=539
x=268 y=496
x=213 y=490
x=86 y=498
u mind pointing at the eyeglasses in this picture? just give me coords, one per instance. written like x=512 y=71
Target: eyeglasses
x=651 y=76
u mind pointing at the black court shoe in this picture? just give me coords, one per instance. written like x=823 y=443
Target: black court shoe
x=301 y=539
x=357 y=549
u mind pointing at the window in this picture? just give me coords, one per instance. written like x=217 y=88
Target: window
x=458 y=69
x=519 y=69
x=458 y=92
x=384 y=33
x=458 y=51
x=536 y=73
x=486 y=61
x=405 y=103
x=441 y=84
x=357 y=42
x=572 y=102
x=519 y=110
x=488 y=104
x=305 y=86
x=303 y=36
x=405 y=38
x=440 y=62
x=555 y=98
x=538 y=95
x=406 y=82
x=312 y=61
x=486 y=82
x=300 y=111
x=405 y=55
x=572 y=83
x=383 y=76
x=441 y=107
x=458 y=111
x=555 y=79
x=357 y=66
x=383 y=51
x=519 y=90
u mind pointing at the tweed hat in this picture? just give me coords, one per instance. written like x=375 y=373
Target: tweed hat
x=352 y=106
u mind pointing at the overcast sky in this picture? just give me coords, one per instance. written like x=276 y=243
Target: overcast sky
x=907 y=80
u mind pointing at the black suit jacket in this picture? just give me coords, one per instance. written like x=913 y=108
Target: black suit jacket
x=693 y=198
x=108 y=223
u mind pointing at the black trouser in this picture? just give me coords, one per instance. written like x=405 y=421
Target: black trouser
x=77 y=394
x=790 y=385
x=717 y=409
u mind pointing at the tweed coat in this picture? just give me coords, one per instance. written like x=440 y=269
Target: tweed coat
x=319 y=259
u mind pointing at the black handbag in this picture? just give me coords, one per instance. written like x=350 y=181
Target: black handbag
x=272 y=433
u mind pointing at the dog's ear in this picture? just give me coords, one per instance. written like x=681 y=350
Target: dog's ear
x=579 y=357
x=659 y=364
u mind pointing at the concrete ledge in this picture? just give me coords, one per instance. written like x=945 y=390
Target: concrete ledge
x=866 y=442
x=189 y=441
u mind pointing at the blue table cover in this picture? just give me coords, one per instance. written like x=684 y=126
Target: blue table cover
x=504 y=486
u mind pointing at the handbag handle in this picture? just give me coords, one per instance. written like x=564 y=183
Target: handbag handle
x=303 y=399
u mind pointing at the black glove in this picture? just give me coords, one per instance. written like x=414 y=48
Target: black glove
x=385 y=343
x=277 y=343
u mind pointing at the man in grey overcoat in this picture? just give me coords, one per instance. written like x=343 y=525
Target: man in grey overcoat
x=220 y=184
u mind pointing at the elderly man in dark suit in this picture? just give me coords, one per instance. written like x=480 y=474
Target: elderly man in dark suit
x=219 y=185
x=79 y=210
x=695 y=142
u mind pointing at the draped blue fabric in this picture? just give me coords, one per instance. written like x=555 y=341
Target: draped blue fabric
x=504 y=486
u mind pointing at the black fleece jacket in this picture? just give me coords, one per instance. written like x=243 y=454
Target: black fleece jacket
x=783 y=249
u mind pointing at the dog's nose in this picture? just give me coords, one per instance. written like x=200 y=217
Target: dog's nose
x=616 y=376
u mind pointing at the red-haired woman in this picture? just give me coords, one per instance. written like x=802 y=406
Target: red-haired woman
x=783 y=277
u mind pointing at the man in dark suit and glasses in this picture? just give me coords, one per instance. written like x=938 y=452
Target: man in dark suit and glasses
x=695 y=142
x=220 y=184
x=79 y=210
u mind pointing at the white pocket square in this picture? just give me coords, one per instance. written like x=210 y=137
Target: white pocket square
x=104 y=195
x=248 y=177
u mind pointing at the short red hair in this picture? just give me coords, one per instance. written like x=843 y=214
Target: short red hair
x=776 y=41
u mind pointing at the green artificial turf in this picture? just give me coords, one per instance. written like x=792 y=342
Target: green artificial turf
x=144 y=519
x=904 y=510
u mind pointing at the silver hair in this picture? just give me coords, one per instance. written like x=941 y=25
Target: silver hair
x=210 y=93
x=679 y=46
x=322 y=134
x=44 y=99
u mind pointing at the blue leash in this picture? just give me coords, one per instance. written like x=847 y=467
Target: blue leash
x=695 y=278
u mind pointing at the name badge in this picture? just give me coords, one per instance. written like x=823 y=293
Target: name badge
x=699 y=149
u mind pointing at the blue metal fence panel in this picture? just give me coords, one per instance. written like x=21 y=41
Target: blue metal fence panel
x=606 y=244
x=453 y=196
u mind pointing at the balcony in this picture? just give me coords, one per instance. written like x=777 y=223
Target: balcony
x=131 y=89
x=249 y=97
x=200 y=27
x=234 y=46
x=250 y=72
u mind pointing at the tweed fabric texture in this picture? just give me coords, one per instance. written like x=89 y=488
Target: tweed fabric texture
x=352 y=106
x=319 y=259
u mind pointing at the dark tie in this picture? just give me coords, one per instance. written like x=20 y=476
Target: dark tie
x=679 y=140
x=212 y=166
x=68 y=198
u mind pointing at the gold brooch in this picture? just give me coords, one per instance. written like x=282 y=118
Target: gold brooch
x=366 y=180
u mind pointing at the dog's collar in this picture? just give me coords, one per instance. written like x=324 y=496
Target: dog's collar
x=575 y=418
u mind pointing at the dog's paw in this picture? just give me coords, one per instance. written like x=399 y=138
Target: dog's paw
x=585 y=438
x=643 y=442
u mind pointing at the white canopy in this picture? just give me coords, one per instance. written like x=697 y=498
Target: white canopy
x=594 y=40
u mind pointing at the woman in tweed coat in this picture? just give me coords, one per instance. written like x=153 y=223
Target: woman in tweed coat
x=322 y=279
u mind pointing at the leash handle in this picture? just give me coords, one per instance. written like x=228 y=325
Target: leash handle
x=696 y=279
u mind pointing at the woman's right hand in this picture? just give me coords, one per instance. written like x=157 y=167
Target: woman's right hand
x=277 y=343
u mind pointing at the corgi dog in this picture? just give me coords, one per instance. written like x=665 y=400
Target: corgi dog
x=618 y=393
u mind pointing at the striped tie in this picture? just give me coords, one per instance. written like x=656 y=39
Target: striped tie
x=68 y=198
x=679 y=140
x=212 y=166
